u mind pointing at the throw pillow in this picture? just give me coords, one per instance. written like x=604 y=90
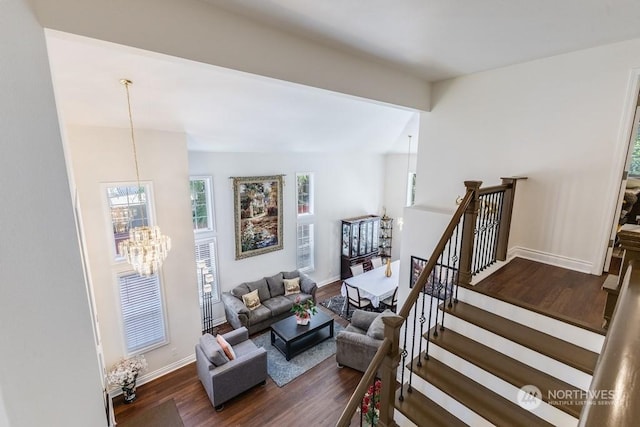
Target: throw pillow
x=228 y=350
x=251 y=300
x=376 y=329
x=276 y=285
x=212 y=350
x=291 y=286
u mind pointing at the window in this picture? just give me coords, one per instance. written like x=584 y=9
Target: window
x=305 y=247
x=304 y=186
x=304 y=230
x=201 y=203
x=143 y=318
x=207 y=270
x=411 y=188
x=129 y=208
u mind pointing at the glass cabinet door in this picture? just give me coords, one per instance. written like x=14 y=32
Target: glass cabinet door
x=369 y=236
x=355 y=234
x=376 y=231
x=346 y=239
x=363 y=238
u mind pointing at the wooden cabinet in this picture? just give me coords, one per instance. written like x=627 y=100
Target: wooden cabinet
x=360 y=241
x=386 y=233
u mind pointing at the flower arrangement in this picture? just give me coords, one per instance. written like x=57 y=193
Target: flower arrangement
x=370 y=407
x=126 y=371
x=304 y=310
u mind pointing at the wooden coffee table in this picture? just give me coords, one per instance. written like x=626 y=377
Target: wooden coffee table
x=292 y=339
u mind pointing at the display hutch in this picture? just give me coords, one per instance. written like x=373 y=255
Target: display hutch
x=359 y=241
x=386 y=229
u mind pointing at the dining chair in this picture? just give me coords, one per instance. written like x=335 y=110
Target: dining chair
x=391 y=302
x=354 y=299
x=357 y=269
x=376 y=262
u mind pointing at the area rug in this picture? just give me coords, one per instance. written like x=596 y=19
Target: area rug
x=335 y=304
x=163 y=415
x=282 y=371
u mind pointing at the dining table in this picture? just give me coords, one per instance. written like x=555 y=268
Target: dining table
x=374 y=284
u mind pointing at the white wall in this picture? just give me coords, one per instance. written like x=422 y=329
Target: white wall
x=103 y=155
x=49 y=372
x=199 y=31
x=555 y=120
x=395 y=194
x=346 y=185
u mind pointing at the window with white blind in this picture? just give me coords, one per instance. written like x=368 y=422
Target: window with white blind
x=143 y=317
x=305 y=247
x=207 y=269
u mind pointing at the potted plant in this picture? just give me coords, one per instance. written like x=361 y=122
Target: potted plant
x=370 y=407
x=304 y=310
x=124 y=374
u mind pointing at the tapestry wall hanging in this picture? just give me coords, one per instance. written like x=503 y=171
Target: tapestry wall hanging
x=258 y=214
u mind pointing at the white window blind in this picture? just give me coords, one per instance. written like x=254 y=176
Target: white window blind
x=206 y=253
x=305 y=247
x=142 y=312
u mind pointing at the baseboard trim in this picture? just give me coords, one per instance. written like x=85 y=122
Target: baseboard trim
x=551 y=259
x=328 y=281
x=157 y=373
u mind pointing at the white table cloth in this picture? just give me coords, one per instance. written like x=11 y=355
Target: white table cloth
x=374 y=285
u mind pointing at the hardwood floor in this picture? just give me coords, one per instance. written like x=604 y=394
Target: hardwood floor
x=318 y=397
x=565 y=294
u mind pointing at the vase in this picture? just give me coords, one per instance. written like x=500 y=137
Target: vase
x=387 y=272
x=302 y=320
x=129 y=391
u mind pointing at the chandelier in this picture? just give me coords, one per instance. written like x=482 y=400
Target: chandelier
x=146 y=247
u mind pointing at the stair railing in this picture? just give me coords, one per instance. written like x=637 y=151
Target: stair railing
x=612 y=399
x=451 y=260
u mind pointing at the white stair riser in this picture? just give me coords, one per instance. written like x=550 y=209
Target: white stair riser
x=508 y=391
x=401 y=420
x=450 y=404
x=521 y=353
x=564 y=331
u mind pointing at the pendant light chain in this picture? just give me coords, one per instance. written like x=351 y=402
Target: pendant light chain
x=126 y=84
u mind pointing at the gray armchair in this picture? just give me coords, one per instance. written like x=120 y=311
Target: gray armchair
x=358 y=343
x=224 y=379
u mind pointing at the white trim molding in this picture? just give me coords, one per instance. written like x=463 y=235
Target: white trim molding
x=157 y=373
x=551 y=259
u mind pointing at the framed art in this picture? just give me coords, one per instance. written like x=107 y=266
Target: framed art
x=441 y=280
x=258 y=214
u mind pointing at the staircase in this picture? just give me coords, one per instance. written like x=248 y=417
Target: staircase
x=487 y=352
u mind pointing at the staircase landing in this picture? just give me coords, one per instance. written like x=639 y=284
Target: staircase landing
x=567 y=295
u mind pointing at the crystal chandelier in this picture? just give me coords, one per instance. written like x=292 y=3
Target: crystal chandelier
x=146 y=247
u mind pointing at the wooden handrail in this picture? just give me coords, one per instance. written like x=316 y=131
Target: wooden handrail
x=356 y=398
x=615 y=391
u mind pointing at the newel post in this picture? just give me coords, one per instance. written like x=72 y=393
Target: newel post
x=505 y=217
x=468 y=232
x=389 y=370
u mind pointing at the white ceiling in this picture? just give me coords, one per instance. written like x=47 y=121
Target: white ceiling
x=224 y=110
x=440 y=39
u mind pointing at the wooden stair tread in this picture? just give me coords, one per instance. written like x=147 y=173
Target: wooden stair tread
x=423 y=411
x=502 y=366
x=481 y=400
x=548 y=345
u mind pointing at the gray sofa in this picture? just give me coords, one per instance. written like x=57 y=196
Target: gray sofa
x=358 y=343
x=224 y=379
x=274 y=304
